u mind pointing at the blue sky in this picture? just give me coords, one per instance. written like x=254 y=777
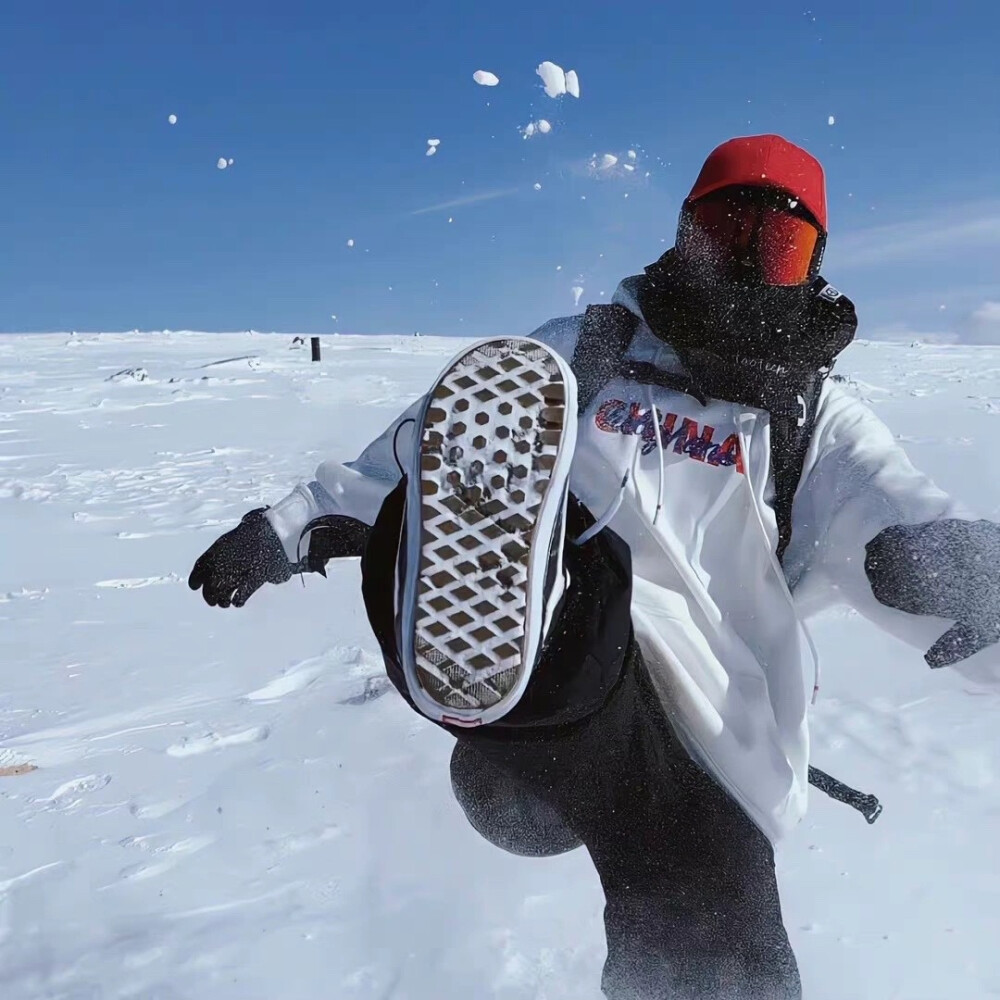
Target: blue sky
x=113 y=219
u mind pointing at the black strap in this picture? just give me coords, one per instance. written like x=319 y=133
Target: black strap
x=868 y=805
x=605 y=337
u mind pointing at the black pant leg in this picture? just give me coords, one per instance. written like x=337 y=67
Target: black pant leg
x=692 y=909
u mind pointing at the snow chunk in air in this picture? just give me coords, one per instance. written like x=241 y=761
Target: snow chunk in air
x=557 y=82
x=485 y=78
x=541 y=126
x=432 y=146
x=222 y=163
x=172 y=119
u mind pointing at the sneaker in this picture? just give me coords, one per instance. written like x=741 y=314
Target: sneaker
x=480 y=574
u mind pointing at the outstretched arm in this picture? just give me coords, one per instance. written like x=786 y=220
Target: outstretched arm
x=326 y=519
x=873 y=532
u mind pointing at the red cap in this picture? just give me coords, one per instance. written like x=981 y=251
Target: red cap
x=765 y=161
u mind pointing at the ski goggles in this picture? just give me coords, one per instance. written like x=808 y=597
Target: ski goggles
x=753 y=229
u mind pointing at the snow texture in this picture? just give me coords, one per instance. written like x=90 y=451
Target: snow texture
x=222 y=163
x=172 y=119
x=233 y=805
x=485 y=78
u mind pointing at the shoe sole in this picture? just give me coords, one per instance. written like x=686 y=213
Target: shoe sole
x=496 y=441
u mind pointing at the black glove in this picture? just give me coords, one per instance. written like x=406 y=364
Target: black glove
x=240 y=562
x=332 y=536
x=948 y=568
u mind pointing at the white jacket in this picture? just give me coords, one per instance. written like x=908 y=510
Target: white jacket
x=718 y=619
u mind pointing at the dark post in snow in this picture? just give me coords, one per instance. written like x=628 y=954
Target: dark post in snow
x=315 y=347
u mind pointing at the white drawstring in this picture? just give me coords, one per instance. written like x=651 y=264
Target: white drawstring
x=745 y=448
x=605 y=519
x=655 y=417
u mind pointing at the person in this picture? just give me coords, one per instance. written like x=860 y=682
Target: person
x=588 y=554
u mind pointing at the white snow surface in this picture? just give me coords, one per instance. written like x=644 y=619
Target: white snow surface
x=485 y=78
x=233 y=804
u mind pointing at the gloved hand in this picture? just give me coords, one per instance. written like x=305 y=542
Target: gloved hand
x=241 y=562
x=948 y=568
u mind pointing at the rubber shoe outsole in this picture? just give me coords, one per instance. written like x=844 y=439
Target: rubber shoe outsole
x=484 y=509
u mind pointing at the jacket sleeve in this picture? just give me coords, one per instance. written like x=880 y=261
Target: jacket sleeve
x=356 y=489
x=858 y=482
x=350 y=489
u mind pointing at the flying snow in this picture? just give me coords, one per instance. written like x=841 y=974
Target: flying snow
x=485 y=79
x=577 y=292
x=432 y=146
x=607 y=161
x=558 y=82
x=538 y=187
x=172 y=119
x=541 y=126
x=222 y=163
x=350 y=243
x=831 y=120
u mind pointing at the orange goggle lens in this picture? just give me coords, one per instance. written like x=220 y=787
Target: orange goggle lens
x=779 y=244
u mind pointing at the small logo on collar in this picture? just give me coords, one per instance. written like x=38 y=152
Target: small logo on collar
x=830 y=293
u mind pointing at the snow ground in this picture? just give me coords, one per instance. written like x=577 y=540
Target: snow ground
x=230 y=804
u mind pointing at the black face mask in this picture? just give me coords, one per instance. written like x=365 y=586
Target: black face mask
x=746 y=342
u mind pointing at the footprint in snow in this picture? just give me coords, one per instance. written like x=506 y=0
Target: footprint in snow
x=69 y=796
x=213 y=741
